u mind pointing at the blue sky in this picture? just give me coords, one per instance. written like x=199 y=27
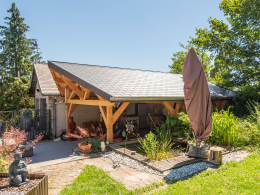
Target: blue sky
x=138 y=34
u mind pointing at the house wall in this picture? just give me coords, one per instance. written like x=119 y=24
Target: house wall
x=84 y=113
x=81 y=114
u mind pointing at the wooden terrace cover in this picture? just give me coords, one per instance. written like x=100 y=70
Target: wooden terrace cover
x=103 y=86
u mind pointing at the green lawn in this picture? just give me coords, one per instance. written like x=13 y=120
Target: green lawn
x=95 y=181
x=232 y=178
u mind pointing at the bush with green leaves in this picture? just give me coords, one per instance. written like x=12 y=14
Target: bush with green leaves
x=96 y=144
x=239 y=103
x=181 y=123
x=226 y=129
x=251 y=125
x=158 y=147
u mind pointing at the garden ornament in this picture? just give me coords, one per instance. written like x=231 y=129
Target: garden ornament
x=197 y=96
x=18 y=171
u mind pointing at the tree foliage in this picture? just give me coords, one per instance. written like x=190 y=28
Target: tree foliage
x=16 y=61
x=179 y=57
x=235 y=45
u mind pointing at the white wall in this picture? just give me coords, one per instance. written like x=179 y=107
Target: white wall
x=80 y=115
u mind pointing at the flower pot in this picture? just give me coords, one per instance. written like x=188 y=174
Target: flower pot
x=85 y=148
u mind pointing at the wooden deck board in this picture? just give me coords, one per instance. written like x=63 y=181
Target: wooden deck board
x=164 y=165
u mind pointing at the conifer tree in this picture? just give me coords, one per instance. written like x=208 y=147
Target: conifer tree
x=16 y=61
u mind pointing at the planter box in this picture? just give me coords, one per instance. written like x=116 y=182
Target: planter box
x=85 y=148
x=40 y=189
x=28 y=152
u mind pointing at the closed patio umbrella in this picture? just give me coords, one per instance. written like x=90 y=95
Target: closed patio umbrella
x=197 y=96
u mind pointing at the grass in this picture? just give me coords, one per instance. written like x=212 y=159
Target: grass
x=232 y=178
x=93 y=180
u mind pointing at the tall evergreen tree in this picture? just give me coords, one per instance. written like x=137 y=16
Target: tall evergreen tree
x=16 y=61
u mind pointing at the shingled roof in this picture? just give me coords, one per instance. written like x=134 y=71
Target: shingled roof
x=42 y=74
x=122 y=84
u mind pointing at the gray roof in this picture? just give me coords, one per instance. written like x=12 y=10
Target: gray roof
x=42 y=74
x=122 y=84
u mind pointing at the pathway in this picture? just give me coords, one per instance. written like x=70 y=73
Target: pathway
x=61 y=174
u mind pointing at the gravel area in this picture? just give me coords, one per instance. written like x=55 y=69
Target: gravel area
x=239 y=155
x=6 y=189
x=173 y=173
x=116 y=157
x=169 y=175
x=186 y=170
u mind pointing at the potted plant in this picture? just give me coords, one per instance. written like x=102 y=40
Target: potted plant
x=85 y=145
x=83 y=136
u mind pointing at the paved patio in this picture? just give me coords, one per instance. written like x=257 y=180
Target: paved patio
x=52 y=150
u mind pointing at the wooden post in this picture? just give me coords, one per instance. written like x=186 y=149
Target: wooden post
x=169 y=108
x=110 y=124
x=177 y=108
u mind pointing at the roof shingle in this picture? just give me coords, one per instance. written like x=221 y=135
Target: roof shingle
x=121 y=83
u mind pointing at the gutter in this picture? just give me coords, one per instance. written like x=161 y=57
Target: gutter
x=135 y=99
x=132 y=99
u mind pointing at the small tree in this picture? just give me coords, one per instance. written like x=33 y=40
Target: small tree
x=16 y=61
x=11 y=140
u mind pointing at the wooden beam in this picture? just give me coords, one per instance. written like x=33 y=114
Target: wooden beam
x=72 y=86
x=72 y=95
x=177 y=108
x=169 y=108
x=91 y=102
x=73 y=108
x=119 y=111
x=110 y=124
x=58 y=80
x=102 y=99
x=86 y=95
x=69 y=109
x=104 y=114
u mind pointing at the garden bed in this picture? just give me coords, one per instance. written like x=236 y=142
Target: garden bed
x=161 y=166
x=181 y=147
x=38 y=185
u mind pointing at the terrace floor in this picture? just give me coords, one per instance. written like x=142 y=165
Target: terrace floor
x=52 y=150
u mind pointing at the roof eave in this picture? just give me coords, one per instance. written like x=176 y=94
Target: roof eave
x=79 y=81
x=134 y=99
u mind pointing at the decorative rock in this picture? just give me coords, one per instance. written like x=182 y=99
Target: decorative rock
x=186 y=170
x=234 y=156
x=129 y=162
x=18 y=171
x=133 y=152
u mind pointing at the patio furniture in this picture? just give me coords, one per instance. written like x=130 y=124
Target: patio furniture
x=215 y=155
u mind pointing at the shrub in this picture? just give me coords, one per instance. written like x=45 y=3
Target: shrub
x=252 y=124
x=157 y=147
x=96 y=145
x=11 y=139
x=239 y=102
x=226 y=129
x=181 y=123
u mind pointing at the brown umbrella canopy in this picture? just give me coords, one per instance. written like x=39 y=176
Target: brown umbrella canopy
x=197 y=96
